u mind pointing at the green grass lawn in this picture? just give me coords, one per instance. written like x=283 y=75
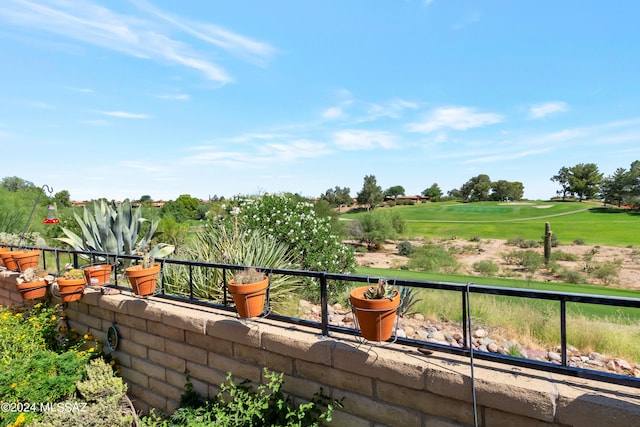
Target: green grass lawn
x=588 y=221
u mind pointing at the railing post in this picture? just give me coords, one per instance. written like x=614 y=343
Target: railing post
x=465 y=321
x=324 y=304
x=563 y=331
x=224 y=286
x=190 y=281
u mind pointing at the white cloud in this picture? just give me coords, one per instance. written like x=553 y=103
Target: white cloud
x=178 y=96
x=91 y=23
x=363 y=139
x=458 y=118
x=125 y=115
x=539 y=111
x=333 y=113
x=507 y=156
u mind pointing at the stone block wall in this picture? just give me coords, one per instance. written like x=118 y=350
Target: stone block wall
x=383 y=385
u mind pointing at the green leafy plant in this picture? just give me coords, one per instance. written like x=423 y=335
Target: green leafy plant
x=40 y=357
x=241 y=405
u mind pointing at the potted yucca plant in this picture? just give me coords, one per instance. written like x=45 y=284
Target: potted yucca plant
x=248 y=288
x=375 y=309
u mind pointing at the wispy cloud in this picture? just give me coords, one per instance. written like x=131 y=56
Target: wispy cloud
x=333 y=113
x=506 y=156
x=364 y=139
x=91 y=23
x=256 y=153
x=458 y=118
x=539 y=111
x=126 y=115
x=177 y=96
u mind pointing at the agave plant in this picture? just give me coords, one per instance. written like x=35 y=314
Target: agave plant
x=114 y=230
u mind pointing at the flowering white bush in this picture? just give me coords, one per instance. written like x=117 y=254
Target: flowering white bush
x=294 y=221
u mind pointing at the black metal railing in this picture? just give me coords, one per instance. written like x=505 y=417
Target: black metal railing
x=326 y=328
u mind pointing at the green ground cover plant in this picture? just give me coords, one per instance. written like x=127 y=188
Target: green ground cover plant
x=39 y=361
x=239 y=404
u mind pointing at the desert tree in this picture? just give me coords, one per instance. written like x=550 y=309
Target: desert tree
x=434 y=192
x=584 y=180
x=371 y=193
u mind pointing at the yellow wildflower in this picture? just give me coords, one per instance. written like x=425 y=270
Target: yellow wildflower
x=14 y=385
x=91 y=350
x=53 y=317
x=21 y=419
x=38 y=305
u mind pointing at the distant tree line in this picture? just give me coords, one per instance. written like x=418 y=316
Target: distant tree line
x=585 y=181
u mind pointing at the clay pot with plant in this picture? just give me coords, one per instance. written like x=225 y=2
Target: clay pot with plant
x=248 y=288
x=375 y=309
x=71 y=285
x=98 y=274
x=26 y=259
x=143 y=277
x=8 y=261
x=33 y=283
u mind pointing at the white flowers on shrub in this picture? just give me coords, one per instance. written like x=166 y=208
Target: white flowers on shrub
x=294 y=221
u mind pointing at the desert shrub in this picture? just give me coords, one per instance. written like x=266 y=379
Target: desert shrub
x=529 y=260
x=378 y=226
x=240 y=405
x=486 y=267
x=515 y=241
x=404 y=248
x=474 y=239
x=434 y=258
x=293 y=221
x=563 y=256
x=607 y=271
x=578 y=241
x=571 y=276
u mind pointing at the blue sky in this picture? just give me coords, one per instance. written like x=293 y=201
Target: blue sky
x=124 y=98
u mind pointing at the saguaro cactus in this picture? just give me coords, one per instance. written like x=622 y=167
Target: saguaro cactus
x=547 y=243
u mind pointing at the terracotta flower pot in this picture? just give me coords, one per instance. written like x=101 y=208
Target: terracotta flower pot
x=32 y=290
x=249 y=299
x=143 y=281
x=71 y=289
x=98 y=275
x=2 y=250
x=7 y=259
x=26 y=259
x=376 y=317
